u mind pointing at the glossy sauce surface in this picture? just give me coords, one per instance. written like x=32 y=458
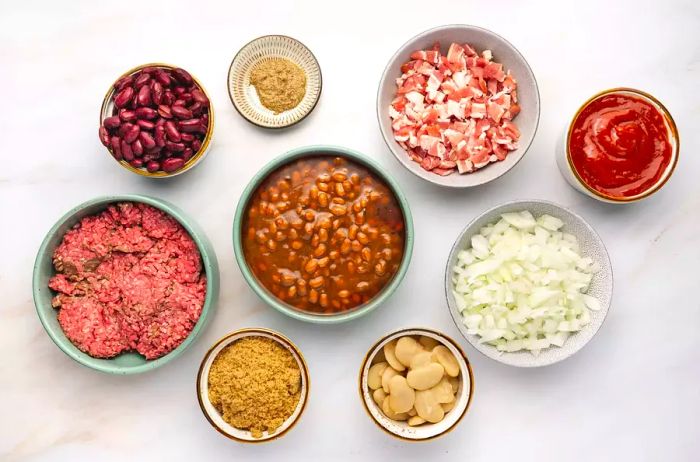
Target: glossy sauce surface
x=619 y=145
x=323 y=234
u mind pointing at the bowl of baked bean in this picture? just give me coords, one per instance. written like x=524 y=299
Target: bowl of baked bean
x=323 y=234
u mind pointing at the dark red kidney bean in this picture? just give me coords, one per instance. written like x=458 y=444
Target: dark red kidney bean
x=165 y=111
x=112 y=122
x=137 y=148
x=174 y=147
x=147 y=140
x=127 y=153
x=136 y=163
x=104 y=136
x=187 y=98
x=131 y=133
x=153 y=166
x=168 y=97
x=160 y=122
x=196 y=145
x=180 y=102
x=154 y=155
x=186 y=137
x=146 y=112
x=142 y=79
x=200 y=97
x=189 y=126
x=123 y=128
x=179 y=91
x=196 y=108
x=144 y=96
x=124 y=97
x=146 y=125
x=163 y=77
x=160 y=136
x=150 y=69
x=156 y=92
x=181 y=112
x=172 y=164
x=171 y=131
x=127 y=115
x=124 y=81
x=115 y=143
x=187 y=154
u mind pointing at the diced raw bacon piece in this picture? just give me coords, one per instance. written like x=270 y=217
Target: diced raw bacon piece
x=453 y=111
x=429 y=162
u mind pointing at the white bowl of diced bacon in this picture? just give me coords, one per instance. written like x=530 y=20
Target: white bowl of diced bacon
x=458 y=105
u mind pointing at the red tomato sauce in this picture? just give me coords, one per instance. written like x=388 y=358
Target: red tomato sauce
x=619 y=145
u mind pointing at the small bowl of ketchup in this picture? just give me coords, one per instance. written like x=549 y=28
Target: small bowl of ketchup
x=620 y=147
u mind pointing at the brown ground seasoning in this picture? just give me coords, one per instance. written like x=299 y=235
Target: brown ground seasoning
x=255 y=384
x=280 y=84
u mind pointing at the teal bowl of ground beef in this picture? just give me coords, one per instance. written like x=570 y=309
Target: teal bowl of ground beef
x=124 y=284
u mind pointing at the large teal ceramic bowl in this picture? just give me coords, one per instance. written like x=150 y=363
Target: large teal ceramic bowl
x=126 y=363
x=271 y=299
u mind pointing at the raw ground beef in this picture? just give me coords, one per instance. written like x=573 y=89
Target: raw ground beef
x=129 y=278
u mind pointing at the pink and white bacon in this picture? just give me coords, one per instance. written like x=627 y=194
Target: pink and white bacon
x=455 y=112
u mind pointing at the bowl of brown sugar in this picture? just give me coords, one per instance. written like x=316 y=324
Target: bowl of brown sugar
x=253 y=385
x=274 y=81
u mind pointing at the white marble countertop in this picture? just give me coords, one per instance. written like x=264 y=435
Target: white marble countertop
x=631 y=394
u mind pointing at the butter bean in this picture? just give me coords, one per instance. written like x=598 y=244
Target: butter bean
x=454 y=382
x=426 y=376
x=386 y=408
x=388 y=373
x=406 y=349
x=401 y=396
x=443 y=392
x=445 y=357
x=378 y=396
x=390 y=353
x=412 y=412
x=420 y=359
x=428 y=342
x=428 y=408
x=415 y=421
x=447 y=407
x=374 y=375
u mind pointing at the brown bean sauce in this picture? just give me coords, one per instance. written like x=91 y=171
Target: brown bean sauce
x=323 y=234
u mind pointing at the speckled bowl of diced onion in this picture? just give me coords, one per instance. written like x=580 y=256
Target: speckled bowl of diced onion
x=528 y=283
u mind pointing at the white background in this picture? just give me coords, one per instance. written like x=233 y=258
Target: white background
x=632 y=394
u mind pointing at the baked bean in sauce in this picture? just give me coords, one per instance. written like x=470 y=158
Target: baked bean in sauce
x=323 y=234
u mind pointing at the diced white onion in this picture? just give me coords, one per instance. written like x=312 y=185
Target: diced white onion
x=522 y=284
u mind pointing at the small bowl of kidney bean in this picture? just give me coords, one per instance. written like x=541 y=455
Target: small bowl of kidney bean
x=157 y=121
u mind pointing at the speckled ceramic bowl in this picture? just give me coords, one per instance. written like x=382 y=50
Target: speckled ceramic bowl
x=213 y=415
x=601 y=286
x=271 y=299
x=244 y=96
x=426 y=431
x=125 y=363
x=503 y=52
x=108 y=107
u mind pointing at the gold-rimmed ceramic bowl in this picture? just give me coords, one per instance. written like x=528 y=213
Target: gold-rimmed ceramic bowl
x=571 y=175
x=426 y=431
x=244 y=96
x=213 y=416
x=107 y=110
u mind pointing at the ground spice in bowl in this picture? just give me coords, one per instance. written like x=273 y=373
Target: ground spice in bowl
x=279 y=83
x=255 y=384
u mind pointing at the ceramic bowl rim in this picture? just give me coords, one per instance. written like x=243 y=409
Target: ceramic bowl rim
x=455 y=315
x=280 y=338
x=275 y=127
x=402 y=158
x=209 y=264
x=311 y=151
x=372 y=352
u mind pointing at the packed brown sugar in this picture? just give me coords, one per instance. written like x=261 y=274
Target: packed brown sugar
x=255 y=384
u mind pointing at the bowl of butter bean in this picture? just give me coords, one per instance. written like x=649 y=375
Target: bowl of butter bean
x=416 y=384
